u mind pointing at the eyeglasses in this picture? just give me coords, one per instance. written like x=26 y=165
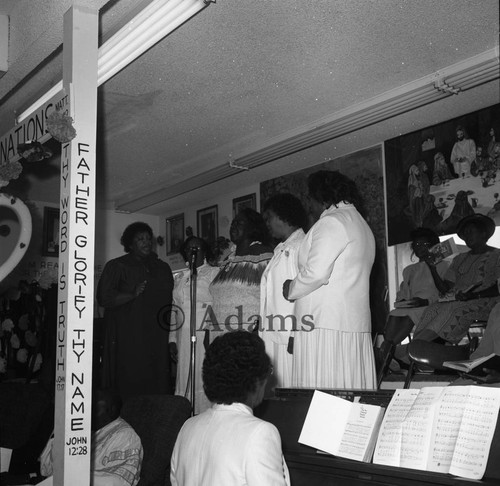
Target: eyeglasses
x=419 y=244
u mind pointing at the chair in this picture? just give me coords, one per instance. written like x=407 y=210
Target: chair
x=157 y=419
x=477 y=328
x=433 y=355
x=396 y=330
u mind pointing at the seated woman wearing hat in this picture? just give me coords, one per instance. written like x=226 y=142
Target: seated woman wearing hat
x=478 y=268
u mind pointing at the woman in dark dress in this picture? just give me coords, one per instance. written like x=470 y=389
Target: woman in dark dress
x=136 y=292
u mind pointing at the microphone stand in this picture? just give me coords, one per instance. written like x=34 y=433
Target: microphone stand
x=192 y=328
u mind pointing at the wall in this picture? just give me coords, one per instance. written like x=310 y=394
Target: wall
x=109 y=228
x=225 y=212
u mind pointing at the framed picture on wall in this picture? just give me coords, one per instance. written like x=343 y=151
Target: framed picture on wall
x=248 y=201
x=208 y=227
x=50 y=241
x=439 y=174
x=175 y=233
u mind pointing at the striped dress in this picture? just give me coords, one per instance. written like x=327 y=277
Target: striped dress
x=236 y=291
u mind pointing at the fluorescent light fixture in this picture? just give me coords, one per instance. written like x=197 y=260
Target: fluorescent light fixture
x=154 y=22
x=459 y=77
x=40 y=101
x=149 y=26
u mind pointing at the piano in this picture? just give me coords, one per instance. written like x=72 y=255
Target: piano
x=287 y=411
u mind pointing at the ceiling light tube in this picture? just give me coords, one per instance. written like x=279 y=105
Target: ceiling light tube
x=148 y=27
x=152 y=24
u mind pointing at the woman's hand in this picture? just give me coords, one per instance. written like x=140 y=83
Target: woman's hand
x=174 y=353
x=286 y=289
x=430 y=260
x=139 y=289
x=463 y=296
x=420 y=302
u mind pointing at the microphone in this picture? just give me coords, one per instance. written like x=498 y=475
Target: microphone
x=194 y=254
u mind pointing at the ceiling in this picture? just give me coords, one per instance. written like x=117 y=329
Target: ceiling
x=237 y=77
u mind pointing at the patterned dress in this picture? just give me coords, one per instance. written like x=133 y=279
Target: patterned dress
x=236 y=292
x=116 y=455
x=451 y=320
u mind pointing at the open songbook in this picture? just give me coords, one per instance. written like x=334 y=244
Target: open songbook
x=443 y=250
x=467 y=365
x=341 y=427
x=442 y=429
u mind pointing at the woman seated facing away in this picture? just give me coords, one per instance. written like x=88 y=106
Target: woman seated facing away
x=226 y=444
x=478 y=268
x=416 y=292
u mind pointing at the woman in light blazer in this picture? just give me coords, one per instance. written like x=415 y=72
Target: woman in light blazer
x=331 y=291
x=285 y=218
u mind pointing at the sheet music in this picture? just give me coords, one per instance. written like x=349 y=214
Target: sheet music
x=325 y=421
x=476 y=432
x=388 y=448
x=447 y=423
x=357 y=439
x=340 y=427
x=417 y=428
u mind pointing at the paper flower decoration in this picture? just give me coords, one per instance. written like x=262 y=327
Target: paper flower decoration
x=33 y=151
x=60 y=126
x=38 y=362
x=7 y=325
x=15 y=342
x=30 y=338
x=48 y=278
x=22 y=355
x=23 y=322
x=3 y=365
x=9 y=170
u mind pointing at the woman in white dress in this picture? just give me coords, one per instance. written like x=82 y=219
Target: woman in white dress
x=332 y=291
x=195 y=251
x=285 y=217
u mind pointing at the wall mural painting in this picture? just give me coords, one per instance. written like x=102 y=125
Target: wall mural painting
x=365 y=168
x=440 y=174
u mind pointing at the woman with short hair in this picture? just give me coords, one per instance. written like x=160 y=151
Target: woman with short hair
x=226 y=444
x=196 y=253
x=286 y=220
x=136 y=293
x=332 y=290
x=236 y=288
